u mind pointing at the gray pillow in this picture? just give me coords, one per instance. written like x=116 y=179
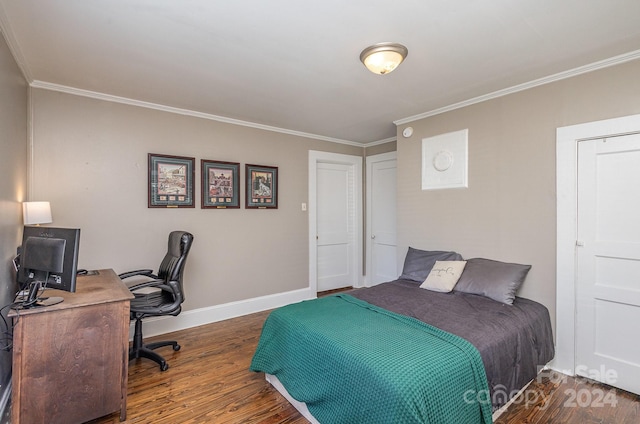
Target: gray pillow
x=493 y=279
x=418 y=263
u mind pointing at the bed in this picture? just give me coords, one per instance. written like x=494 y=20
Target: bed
x=410 y=350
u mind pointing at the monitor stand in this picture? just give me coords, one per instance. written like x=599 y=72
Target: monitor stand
x=48 y=301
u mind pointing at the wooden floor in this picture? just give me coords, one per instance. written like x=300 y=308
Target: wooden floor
x=562 y=399
x=209 y=382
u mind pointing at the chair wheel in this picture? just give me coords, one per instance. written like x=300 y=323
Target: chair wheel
x=176 y=347
x=164 y=367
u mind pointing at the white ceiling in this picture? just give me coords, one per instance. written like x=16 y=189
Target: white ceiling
x=294 y=64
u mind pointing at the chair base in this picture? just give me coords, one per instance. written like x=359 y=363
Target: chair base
x=140 y=350
x=148 y=352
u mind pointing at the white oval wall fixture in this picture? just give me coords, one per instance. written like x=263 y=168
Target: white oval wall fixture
x=407 y=132
x=442 y=160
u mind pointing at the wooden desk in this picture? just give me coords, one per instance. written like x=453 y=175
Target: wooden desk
x=70 y=360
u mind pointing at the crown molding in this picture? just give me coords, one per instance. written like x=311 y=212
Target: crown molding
x=14 y=46
x=612 y=61
x=383 y=141
x=15 y=49
x=132 y=102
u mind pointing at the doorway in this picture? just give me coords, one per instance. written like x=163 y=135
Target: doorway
x=569 y=246
x=608 y=261
x=381 y=258
x=335 y=221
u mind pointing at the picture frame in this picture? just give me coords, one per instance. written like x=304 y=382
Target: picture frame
x=261 y=187
x=171 y=180
x=220 y=184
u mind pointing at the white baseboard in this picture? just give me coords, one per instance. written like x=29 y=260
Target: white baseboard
x=193 y=318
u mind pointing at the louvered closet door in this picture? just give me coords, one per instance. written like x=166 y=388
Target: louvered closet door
x=336 y=221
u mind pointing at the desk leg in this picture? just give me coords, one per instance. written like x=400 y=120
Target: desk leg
x=125 y=360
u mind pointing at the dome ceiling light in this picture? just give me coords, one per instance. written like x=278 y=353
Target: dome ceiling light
x=383 y=58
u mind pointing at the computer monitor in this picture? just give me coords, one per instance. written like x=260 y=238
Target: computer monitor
x=50 y=256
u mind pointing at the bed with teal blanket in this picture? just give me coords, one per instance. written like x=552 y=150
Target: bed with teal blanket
x=397 y=353
x=353 y=362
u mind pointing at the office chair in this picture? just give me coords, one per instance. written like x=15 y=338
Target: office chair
x=165 y=299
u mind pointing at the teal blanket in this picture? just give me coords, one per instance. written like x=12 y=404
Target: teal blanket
x=353 y=362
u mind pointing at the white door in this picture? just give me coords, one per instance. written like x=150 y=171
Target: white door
x=382 y=263
x=608 y=261
x=338 y=220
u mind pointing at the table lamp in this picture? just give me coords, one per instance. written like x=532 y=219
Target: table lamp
x=36 y=213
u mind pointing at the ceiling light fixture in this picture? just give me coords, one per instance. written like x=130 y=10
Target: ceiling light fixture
x=383 y=58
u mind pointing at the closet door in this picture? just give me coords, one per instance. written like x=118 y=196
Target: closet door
x=335 y=220
x=336 y=232
x=608 y=261
x=382 y=262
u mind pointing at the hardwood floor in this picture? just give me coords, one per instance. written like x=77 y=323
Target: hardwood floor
x=562 y=399
x=208 y=381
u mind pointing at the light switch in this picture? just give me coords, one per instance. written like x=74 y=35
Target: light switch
x=304 y=207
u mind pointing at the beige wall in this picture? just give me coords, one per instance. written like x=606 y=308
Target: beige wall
x=13 y=184
x=508 y=212
x=90 y=161
x=381 y=148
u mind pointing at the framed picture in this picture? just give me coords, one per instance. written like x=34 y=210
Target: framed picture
x=220 y=184
x=171 y=181
x=262 y=187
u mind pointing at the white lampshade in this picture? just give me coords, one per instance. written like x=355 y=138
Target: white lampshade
x=35 y=213
x=383 y=58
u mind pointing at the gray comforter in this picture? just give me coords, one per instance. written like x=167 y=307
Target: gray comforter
x=513 y=340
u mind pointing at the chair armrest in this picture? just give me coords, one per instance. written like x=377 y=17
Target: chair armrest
x=173 y=308
x=145 y=272
x=160 y=284
x=167 y=308
x=177 y=293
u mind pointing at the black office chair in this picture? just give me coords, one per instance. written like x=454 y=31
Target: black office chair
x=166 y=299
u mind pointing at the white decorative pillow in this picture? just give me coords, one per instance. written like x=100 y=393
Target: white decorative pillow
x=418 y=263
x=443 y=276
